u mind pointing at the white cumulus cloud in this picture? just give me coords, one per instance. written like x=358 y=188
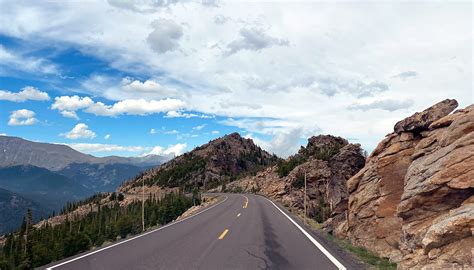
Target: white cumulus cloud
x=98 y=147
x=22 y=117
x=135 y=107
x=26 y=93
x=71 y=103
x=68 y=105
x=176 y=150
x=80 y=131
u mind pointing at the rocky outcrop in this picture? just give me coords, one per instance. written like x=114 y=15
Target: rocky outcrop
x=375 y=193
x=414 y=200
x=420 y=121
x=328 y=163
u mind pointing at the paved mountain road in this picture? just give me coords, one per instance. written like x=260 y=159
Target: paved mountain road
x=240 y=232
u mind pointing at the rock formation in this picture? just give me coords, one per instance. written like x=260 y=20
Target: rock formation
x=328 y=162
x=414 y=200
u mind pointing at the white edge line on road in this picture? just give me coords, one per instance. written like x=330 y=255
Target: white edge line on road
x=318 y=245
x=247 y=200
x=133 y=238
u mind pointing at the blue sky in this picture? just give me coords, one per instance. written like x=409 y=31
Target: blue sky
x=138 y=77
x=73 y=67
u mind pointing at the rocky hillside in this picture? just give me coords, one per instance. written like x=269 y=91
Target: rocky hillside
x=328 y=162
x=220 y=161
x=414 y=200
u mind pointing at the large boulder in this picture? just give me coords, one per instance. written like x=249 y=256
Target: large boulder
x=422 y=120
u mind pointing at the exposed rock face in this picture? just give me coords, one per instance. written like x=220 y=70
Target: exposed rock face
x=414 y=200
x=437 y=204
x=375 y=193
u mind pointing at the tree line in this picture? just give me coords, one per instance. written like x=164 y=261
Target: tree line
x=31 y=247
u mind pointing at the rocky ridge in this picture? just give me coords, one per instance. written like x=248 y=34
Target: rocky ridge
x=220 y=161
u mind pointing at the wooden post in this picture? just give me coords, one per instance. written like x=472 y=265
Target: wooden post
x=305 y=198
x=143 y=204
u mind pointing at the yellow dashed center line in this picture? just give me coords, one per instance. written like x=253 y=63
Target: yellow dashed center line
x=223 y=234
x=238 y=215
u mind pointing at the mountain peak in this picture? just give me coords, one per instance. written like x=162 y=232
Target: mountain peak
x=219 y=161
x=322 y=145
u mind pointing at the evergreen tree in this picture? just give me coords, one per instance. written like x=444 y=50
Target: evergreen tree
x=31 y=247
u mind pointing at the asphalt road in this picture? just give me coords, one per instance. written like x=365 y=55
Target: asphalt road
x=240 y=232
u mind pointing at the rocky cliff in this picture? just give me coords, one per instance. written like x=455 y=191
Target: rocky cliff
x=413 y=201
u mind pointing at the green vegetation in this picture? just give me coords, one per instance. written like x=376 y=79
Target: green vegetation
x=114 y=197
x=322 y=153
x=365 y=255
x=361 y=253
x=32 y=247
x=299 y=183
x=326 y=153
x=322 y=211
x=178 y=174
x=71 y=206
x=286 y=166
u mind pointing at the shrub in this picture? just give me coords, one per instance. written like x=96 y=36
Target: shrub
x=299 y=182
x=286 y=166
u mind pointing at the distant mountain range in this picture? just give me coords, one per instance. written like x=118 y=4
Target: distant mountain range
x=47 y=176
x=17 y=151
x=13 y=207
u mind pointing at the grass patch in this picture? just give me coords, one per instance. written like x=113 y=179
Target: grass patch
x=365 y=255
x=362 y=254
